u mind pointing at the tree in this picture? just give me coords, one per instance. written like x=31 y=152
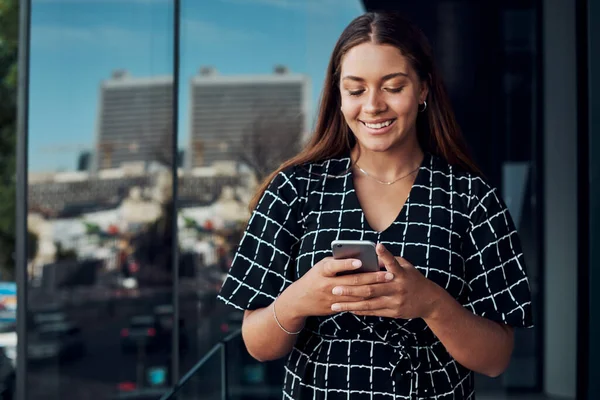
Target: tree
x=8 y=84
x=63 y=254
x=269 y=141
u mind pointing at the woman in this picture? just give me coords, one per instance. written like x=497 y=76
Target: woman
x=387 y=164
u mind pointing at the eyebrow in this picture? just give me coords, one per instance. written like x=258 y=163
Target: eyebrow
x=384 y=78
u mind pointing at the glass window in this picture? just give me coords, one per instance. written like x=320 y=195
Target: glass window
x=100 y=124
x=251 y=77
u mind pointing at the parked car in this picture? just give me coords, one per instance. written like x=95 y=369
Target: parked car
x=144 y=331
x=152 y=332
x=164 y=314
x=60 y=340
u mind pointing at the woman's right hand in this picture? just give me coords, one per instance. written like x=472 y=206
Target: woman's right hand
x=312 y=294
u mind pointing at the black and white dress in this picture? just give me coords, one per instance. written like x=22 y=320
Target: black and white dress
x=453 y=228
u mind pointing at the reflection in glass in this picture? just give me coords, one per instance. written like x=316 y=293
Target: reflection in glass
x=100 y=318
x=241 y=127
x=227 y=371
x=250 y=79
x=251 y=75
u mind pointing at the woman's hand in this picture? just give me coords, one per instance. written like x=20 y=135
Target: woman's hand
x=408 y=295
x=312 y=295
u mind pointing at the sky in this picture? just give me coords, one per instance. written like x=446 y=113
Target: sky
x=75 y=44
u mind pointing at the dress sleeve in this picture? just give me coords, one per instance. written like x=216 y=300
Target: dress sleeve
x=263 y=264
x=495 y=266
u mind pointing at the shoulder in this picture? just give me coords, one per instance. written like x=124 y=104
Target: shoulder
x=297 y=181
x=325 y=168
x=315 y=174
x=293 y=185
x=473 y=188
x=284 y=185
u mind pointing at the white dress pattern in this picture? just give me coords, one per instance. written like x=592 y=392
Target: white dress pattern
x=453 y=228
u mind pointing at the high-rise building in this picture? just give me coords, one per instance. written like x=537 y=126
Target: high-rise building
x=84 y=161
x=243 y=118
x=134 y=120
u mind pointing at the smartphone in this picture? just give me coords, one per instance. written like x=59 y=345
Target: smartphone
x=362 y=250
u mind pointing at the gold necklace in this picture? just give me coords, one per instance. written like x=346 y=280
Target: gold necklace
x=384 y=182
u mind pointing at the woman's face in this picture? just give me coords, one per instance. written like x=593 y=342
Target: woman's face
x=380 y=93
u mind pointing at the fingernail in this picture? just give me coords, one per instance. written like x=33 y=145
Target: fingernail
x=337 y=290
x=389 y=276
x=356 y=263
x=336 y=307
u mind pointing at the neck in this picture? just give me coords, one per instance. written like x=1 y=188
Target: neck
x=390 y=164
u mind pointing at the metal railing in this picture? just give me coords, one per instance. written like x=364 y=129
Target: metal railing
x=220 y=348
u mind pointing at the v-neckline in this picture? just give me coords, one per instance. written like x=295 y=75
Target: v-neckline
x=402 y=212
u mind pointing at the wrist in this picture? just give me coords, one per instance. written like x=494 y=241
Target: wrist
x=287 y=311
x=436 y=306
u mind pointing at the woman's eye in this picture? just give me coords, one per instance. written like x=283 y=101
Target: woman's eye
x=355 y=92
x=395 y=90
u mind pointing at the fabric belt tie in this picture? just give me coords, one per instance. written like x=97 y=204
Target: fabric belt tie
x=402 y=361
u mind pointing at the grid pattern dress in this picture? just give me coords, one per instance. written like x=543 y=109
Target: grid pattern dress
x=453 y=228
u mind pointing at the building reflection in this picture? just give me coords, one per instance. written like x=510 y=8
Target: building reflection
x=103 y=234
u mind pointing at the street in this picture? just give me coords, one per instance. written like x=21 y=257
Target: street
x=97 y=375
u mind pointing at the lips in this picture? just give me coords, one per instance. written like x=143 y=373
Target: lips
x=380 y=124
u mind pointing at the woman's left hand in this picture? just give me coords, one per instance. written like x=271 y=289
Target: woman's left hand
x=408 y=295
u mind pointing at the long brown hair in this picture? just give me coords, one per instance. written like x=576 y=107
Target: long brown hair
x=437 y=129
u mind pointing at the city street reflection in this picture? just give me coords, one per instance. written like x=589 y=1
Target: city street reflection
x=241 y=128
x=251 y=76
x=102 y=223
x=100 y=200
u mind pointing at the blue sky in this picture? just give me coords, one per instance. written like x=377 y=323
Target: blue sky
x=77 y=43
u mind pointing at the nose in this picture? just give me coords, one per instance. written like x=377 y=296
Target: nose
x=374 y=103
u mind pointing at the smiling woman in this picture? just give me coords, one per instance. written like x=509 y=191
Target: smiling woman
x=387 y=164
x=375 y=100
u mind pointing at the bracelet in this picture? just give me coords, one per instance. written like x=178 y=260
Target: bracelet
x=281 y=326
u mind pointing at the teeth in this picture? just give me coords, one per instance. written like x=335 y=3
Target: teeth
x=380 y=125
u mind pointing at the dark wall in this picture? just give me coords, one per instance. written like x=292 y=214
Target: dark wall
x=593 y=23
x=488 y=55
x=470 y=42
